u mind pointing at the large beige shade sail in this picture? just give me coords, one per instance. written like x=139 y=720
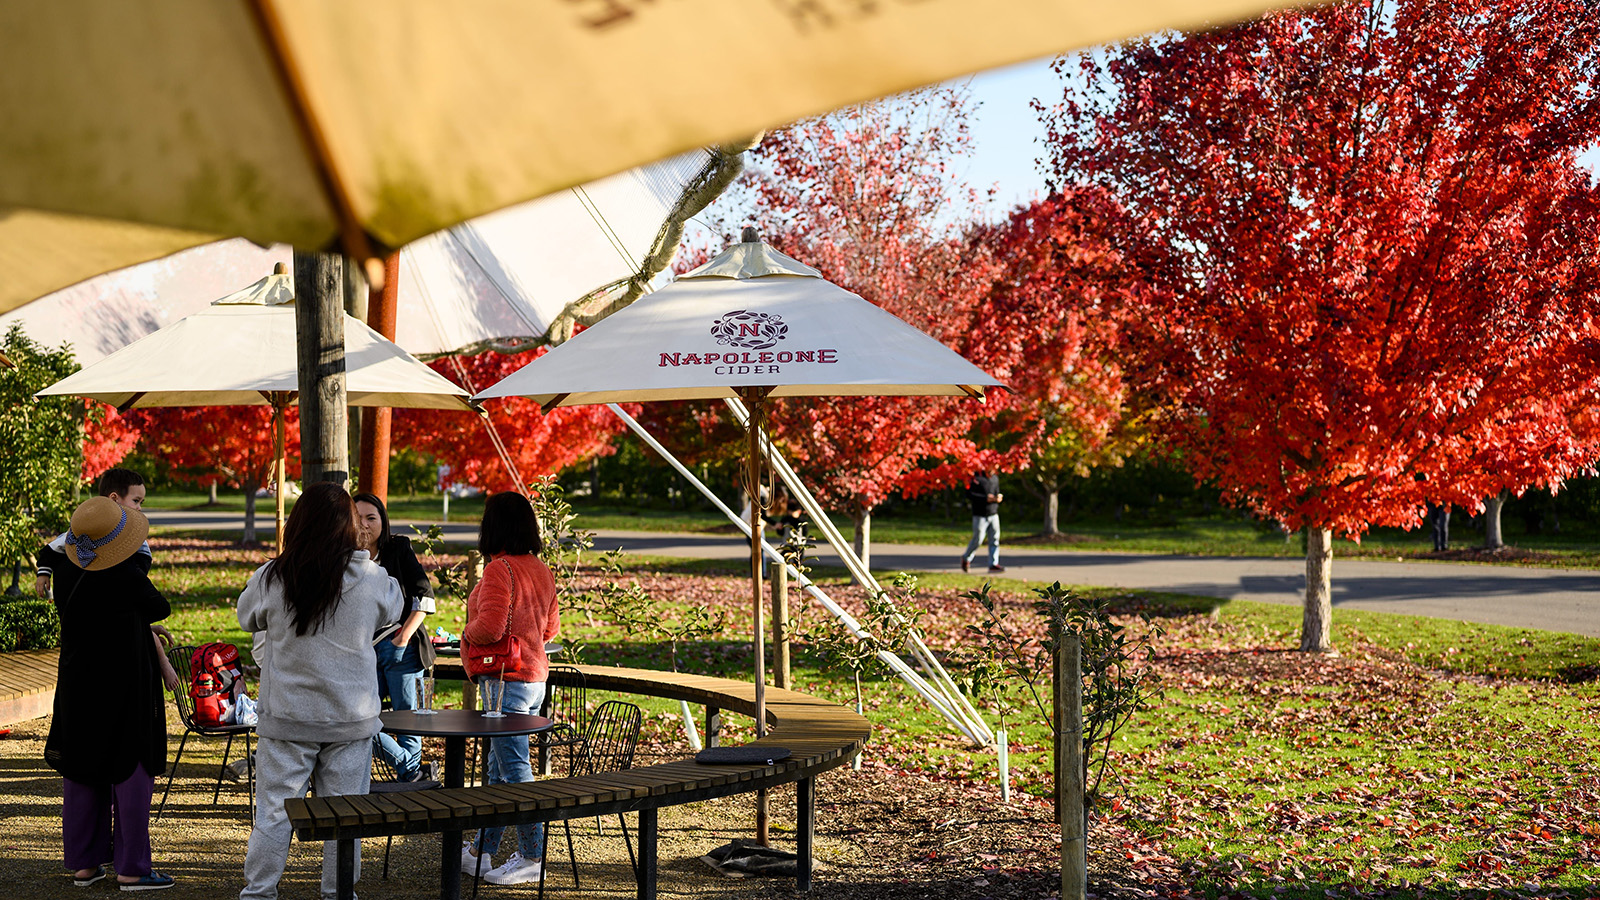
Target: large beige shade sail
x=504 y=280
x=370 y=123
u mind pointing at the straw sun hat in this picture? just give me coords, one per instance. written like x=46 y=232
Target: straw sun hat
x=103 y=534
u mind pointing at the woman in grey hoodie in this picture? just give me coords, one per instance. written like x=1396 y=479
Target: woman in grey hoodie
x=313 y=611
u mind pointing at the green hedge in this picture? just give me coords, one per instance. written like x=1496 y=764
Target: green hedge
x=29 y=623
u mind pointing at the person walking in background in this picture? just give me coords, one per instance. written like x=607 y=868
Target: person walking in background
x=108 y=728
x=403 y=650
x=313 y=612
x=984 y=493
x=517 y=595
x=1439 y=518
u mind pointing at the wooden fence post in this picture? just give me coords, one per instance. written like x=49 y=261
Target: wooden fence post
x=1069 y=766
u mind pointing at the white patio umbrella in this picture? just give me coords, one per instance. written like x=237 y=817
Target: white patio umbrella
x=756 y=325
x=241 y=351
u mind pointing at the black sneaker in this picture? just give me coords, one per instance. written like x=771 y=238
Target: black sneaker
x=993 y=569
x=966 y=565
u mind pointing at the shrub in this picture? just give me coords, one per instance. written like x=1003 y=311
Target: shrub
x=29 y=623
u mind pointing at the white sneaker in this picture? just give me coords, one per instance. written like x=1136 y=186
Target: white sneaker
x=469 y=861
x=516 y=871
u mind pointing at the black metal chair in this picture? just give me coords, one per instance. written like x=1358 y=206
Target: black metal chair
x=608 y=745
x=567 y=705
x=179 y=657
x=386 y=781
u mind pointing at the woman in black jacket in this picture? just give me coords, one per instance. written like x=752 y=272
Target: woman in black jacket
x=406 y=650
x=108 y=730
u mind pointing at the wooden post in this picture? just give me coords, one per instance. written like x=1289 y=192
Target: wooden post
x=780 y=628
x=319 y=327
x=382 y=308
x=469 y=692
x=1069 y=766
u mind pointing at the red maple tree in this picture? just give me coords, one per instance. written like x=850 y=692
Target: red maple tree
x=1386 y=251
x=1051 y=328
x=232 y=444
x=107 y=438
x=865 y=195
x=536 y=443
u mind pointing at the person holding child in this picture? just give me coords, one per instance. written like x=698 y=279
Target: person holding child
x=108 y=728
x=313 y=612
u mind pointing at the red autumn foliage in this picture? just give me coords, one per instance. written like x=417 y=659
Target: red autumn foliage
x=1052 y=329
x=865 y=196
x=107 y=438
x=537 y=443
x=232 y=444
x=1387 y=252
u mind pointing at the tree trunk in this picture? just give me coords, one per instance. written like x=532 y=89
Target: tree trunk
x=861 y=542
x=319 y=324
x=1316 y=628
x=1052 y=506
x=1492 y=536
x=250 y=487
x=213 y=500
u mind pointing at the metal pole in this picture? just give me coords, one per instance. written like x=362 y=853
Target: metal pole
x=757 y=403
x=382 y=308
x=319 y=326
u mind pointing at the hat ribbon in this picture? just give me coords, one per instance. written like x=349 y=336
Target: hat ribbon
x=86 y=546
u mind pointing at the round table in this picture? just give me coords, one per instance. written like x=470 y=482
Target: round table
x=455 y=726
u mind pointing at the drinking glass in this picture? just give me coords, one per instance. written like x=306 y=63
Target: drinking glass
x=425 y=693
x=493 y=693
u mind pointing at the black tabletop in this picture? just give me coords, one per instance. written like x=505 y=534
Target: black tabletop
x=461 y=723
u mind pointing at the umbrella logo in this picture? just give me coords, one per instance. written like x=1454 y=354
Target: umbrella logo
x=751 y=330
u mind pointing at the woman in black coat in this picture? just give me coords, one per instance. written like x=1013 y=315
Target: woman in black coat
x=108 y=731
x=406 y=650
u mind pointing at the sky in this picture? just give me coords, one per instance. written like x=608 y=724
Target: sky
x=1007 y=135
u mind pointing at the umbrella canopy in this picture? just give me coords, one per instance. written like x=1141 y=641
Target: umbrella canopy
x=503 y=280
x=131 y=130
x=241 y=349
x=752 y=318
x=754 y=324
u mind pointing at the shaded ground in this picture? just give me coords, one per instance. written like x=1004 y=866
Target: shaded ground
x=881 y=834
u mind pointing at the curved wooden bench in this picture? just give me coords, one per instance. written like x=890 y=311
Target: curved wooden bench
x=819 y=734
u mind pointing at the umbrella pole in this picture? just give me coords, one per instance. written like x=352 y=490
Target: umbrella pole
x=757 y=404
x=278 y=429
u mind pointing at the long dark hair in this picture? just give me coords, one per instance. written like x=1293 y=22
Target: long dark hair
x=317 y=543
x=509 y=526
x=382 y=542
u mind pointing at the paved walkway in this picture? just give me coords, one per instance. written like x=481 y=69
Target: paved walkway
x=1547 y=599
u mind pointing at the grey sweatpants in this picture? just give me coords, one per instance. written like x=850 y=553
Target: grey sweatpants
x=285 y=769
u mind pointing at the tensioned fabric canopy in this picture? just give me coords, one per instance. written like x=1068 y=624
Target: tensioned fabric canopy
x=752 y=317
x=503 y=280
x=132 y=130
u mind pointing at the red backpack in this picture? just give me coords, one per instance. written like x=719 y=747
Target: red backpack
x=214 y=674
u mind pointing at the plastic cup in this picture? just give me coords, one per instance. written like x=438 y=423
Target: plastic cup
x=493 y=693
x=425 y=694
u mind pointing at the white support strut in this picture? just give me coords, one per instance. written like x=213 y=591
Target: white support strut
x=944 y=698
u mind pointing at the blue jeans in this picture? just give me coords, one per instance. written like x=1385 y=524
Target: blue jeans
x=509 y=764
x=982 y=525
x=398 y=669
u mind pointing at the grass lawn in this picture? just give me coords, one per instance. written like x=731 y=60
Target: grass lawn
x=1221 y=534
x=1430 y=758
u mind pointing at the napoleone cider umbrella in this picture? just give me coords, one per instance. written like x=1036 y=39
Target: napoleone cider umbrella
x=240 y=351
x=754 y=324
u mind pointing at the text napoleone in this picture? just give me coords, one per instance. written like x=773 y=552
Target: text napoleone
x=763 y=357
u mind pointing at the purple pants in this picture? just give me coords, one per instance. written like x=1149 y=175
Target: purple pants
x=88 y=832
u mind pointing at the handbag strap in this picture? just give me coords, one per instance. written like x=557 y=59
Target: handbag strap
x=511 y=596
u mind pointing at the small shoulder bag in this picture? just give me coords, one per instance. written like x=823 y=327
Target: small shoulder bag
x=501 y=658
